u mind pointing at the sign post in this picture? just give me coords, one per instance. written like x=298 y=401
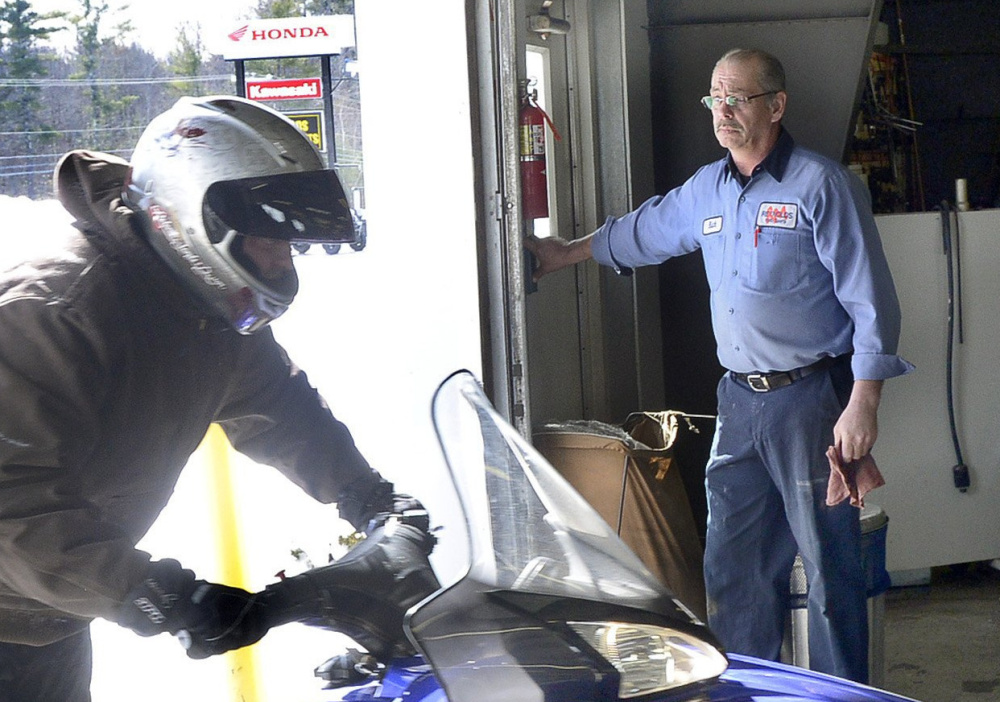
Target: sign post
x=307 y=37
x=321 y=37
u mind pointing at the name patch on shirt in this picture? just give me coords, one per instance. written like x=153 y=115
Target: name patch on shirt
x=712 y=225
x=778 y=214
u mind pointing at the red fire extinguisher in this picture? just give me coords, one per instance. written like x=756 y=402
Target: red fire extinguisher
x=534 y=185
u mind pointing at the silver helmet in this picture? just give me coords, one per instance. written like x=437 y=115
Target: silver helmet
x=212 y=170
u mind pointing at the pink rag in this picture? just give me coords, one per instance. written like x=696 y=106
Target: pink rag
x=854 y=480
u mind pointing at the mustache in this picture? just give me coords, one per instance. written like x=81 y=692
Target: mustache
x=730 y=124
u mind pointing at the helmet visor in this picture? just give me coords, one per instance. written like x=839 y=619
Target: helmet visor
x=307 y=206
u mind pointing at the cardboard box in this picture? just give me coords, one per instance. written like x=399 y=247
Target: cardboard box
x=637 y=489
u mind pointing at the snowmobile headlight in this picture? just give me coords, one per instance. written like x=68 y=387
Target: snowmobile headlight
x=652 y=658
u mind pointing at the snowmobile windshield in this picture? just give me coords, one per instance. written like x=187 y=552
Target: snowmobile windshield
x=551 y=596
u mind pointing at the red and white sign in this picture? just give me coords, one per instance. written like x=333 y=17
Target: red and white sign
x=290 y=36
x=292 y=89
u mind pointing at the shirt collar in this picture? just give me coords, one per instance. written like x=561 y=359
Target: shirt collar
x=774 y=163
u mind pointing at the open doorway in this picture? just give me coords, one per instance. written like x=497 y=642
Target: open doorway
x=553 y=308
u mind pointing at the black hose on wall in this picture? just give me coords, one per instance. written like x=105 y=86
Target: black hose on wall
x=960 y=471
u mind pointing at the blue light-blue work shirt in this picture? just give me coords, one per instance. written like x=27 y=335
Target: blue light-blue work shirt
x=794 y=261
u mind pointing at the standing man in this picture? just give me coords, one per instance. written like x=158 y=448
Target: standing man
x=138 y=328
x=806 y=320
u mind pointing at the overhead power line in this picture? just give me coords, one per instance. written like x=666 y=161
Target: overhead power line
x=28 y=157
x=37 y=169
x=72 y=131
x=87 y=82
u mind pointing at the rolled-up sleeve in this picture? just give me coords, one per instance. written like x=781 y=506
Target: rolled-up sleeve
x=848 y=243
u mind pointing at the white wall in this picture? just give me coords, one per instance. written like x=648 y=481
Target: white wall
x=930 y=522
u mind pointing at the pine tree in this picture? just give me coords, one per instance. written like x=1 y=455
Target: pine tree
x=99 y=58
x=191 y=60
x=329 y=7
x=22 y=62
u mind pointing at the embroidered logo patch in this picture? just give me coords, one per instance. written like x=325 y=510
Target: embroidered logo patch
x=778 y=214
x=712 y=225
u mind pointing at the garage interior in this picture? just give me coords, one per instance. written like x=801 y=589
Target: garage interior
x=902 y=92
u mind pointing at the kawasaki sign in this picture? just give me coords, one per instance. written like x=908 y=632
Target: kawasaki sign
x=291 y=36
x=291 y=89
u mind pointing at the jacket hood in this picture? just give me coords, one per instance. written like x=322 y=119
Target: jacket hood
x=89 y=185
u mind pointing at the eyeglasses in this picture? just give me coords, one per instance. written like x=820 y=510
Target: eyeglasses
x=711 y=101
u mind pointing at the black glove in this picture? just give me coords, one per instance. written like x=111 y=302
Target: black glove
x=154 y=606
x=221 y=618
x=368 y=503
x=365 y=594
x=409 y=510
x=207 y=618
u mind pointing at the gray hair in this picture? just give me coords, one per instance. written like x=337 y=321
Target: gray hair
x=770 y=72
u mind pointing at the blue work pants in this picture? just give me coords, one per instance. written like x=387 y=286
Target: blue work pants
x=766 y=482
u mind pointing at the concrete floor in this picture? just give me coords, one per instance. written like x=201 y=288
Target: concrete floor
x=942 y=640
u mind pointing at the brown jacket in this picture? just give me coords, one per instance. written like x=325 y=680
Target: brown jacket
x=109 y=379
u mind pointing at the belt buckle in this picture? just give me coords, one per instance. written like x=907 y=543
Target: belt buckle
x=758 y=382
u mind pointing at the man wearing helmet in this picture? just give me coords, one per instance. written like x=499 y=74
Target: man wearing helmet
x=119 y=346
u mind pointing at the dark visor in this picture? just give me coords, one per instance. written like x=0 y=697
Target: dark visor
x=309 y=206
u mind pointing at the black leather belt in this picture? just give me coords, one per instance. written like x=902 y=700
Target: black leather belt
x=765 y=382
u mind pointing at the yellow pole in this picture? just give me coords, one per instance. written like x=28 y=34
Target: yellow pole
x=244 y=673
